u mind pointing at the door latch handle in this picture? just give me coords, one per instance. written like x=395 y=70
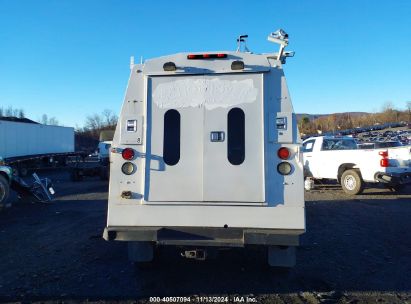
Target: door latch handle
x=217 y=136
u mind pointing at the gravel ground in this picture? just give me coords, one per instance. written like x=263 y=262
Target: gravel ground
x=356 y=250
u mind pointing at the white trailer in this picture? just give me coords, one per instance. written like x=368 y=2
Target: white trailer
x=22 y=144
x=207 y=153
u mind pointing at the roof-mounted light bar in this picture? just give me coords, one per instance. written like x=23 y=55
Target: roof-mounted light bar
x=206 y=56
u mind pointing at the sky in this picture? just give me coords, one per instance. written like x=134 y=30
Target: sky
x=70 y=58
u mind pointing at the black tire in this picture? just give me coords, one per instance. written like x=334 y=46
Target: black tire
x=281 y=257
x=351 y=182
x=4 y=189
x=141 y=253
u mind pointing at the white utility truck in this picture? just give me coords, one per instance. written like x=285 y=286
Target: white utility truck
x=104 y=146
x=206 y=154
x=339 y=158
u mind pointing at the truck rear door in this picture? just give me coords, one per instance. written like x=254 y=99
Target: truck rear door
x=233 y=167
x=205 y=138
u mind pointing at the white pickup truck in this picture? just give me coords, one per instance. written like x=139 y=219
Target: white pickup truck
x=340 y=158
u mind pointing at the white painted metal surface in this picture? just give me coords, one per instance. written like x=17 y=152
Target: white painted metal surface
x=21 y=139
x=183 y=181
x=204 y=189
x=203 y=172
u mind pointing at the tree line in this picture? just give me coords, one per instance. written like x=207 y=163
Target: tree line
x=88 y=136
x=344 y=121
x=12 y=112
x=20 y=113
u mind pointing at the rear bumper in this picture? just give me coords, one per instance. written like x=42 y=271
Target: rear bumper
x=196 y=236
x=394 y=178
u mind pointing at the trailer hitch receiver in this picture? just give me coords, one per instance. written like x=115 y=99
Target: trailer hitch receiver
x=196 y=254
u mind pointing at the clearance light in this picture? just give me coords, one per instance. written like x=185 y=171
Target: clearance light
x=206 y=56
x=237 y=65
x=284 y=168
x=128 y=154
x=283 y=153
x=169 y=66
x=128 y=168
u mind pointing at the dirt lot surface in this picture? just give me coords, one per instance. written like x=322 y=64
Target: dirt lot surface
x=356 y=250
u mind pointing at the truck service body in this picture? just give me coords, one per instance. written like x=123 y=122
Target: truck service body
x=197 y=156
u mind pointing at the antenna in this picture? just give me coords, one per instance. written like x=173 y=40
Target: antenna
x=131 y=62
x=281 y=37
x=240 y=39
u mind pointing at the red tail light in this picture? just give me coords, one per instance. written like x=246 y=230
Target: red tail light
x=128 y=154
x=206 y=56
x=283 y=153
x=384 y=162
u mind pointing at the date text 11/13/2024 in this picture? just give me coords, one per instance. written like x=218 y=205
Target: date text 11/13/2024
x=204 y=299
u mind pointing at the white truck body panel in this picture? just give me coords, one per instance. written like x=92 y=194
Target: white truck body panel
x=22 y=139
x=197 y=153
x=204 y=189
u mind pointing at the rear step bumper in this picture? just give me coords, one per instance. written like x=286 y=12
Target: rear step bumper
x=394 y=178
x=194 y=236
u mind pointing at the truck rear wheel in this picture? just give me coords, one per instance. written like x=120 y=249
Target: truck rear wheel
x=352 y=182
x=140 y=252
x=281 y=256
x=4 y=189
